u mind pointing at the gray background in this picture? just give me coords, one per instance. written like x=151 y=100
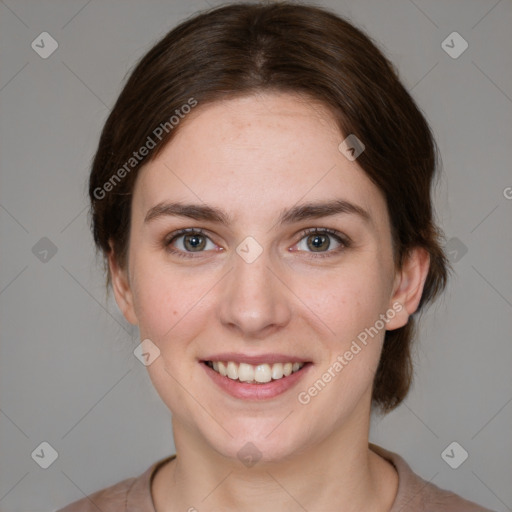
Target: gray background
x=68 y=374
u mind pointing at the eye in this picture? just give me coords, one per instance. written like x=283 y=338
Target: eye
x=319 y=241
x=188 y=240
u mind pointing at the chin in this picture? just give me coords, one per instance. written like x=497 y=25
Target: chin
x=260 y=441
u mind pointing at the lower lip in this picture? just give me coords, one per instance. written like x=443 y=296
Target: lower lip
x=256 y=391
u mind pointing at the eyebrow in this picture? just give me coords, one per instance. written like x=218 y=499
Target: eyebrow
x=287 y=216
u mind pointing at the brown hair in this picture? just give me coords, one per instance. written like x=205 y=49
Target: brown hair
x=239 y=49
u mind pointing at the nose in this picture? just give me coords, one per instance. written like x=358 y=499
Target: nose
x=255 y=301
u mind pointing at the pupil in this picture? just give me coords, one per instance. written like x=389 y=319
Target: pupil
x=319 y=240
x=194 y=241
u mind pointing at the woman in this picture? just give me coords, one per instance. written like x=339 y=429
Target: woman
x=261 y=192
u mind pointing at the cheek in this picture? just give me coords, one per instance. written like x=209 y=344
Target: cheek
x=168 y=309
x=155 y=308
x=351 y=353
x=163 y=298
x=349 y=299
x=348 y=304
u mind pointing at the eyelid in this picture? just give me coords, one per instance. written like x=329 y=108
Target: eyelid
x=342 y=238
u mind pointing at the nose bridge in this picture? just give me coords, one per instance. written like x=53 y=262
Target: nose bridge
x=254 y=300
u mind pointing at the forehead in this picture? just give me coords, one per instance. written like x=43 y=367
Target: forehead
x=256 y=154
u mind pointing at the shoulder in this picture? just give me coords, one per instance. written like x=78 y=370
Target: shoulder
x=110 y=499
x=416 y=494
x=130 y=494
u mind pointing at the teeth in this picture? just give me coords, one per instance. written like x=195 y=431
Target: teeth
x=260 y=373
x=263 y=373
x=232 y=370
x=222 y=368
x=277 y=371
x=245 y=372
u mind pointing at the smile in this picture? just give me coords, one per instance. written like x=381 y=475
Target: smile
x=255 y=377
x=254 y=374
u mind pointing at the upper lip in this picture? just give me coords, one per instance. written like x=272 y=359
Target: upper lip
x=254 y=359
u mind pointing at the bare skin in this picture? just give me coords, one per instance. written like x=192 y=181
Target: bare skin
x=255 y=157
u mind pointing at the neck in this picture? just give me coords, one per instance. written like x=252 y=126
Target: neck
x=340 y=472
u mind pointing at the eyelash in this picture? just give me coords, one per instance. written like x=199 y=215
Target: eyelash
x=342 y=239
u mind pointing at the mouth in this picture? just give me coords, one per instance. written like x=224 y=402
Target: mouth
x=254 y=374
x=255 y=378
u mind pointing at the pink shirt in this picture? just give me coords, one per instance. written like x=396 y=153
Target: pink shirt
x=414 y=493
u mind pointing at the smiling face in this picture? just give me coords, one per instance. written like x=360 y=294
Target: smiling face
x=292 y=262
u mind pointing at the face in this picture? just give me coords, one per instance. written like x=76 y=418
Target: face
x=286 y=263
